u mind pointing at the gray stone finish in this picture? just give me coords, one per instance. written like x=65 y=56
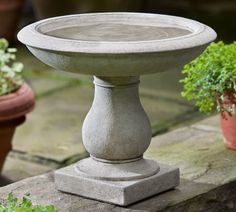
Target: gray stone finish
x=133 y=170
x=119 y=47
x=116 y=122
x=117 y=32
x=116 y=192
x=112 y=58
x=16 y=169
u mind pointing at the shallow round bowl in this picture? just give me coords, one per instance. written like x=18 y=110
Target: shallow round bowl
x=116 y=44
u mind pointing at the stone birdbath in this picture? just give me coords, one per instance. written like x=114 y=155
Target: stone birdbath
x=116 y=48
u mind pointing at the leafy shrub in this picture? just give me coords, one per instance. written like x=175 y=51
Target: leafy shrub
x=211 y=78
x=10 y=71
x=12 y=204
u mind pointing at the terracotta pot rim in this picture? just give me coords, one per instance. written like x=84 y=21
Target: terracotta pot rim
x=19 y=91
x=10 y=95
x=228 y=98
x=16 y=104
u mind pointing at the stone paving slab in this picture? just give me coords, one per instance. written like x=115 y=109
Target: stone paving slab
x=71 y=203
x=159 y=112
x=44 y=86
x=53 y=130
x=199 y=153
x=208 y=124
x=207 y=168
x=165 y=85
x=23 y=169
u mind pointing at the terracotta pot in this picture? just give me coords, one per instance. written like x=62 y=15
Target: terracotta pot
x=228 y=122
x=228 y=125
x=13 y=108
x=10 y=13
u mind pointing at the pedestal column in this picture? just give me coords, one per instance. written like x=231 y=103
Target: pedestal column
x=116 y=127
x=116 y=132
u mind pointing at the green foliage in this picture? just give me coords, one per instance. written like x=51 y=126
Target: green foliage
x=10 y=71
x=211 y=78
x=12 y=204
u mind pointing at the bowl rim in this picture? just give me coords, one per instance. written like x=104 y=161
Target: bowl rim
x=32 y=36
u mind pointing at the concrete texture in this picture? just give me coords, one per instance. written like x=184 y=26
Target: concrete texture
x=208 y=173
x=71 y=203
x=137 y=168
x=103 y=57
x=116 y=127
x=114 y=37
x=116 y=132
x=15 y=169
x=38 y=144
x=119 y=192
x=203 y=157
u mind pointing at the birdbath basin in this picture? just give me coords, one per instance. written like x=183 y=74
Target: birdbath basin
x=116 y=48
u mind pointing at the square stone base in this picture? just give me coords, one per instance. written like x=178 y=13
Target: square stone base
x=117 y=192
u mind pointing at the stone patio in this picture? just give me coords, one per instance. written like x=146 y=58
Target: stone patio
x=51 y=136
x=207 y=168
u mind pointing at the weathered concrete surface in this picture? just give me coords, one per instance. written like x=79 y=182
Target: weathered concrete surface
x=99 y=57
x=208 y=176
x=16 y=169
x=208 y=124
x=189 y=196
x=198 y=151
x=116 y=192
x=66 y=202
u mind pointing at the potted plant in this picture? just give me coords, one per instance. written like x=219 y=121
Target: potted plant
x=16 y=98
x=211 y=81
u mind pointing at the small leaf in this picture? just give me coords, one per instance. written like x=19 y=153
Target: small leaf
x=12 y=50
x=3 y=43
x=17 y=67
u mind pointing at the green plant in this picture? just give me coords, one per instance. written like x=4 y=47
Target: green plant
x=12 y=204
x=211 y=78
x=10 y=71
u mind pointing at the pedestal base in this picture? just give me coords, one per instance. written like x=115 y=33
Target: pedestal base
x=117 y=192
x=113 y=171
